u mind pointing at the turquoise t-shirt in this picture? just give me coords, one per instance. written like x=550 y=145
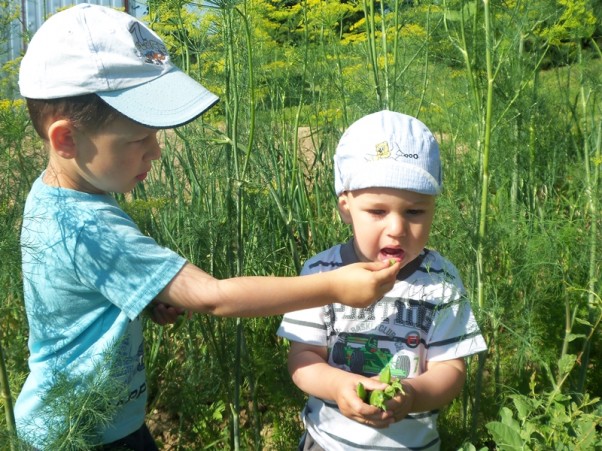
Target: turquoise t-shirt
x=88 y=272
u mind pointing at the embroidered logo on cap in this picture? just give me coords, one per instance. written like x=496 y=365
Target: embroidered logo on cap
x=382 y=151
x=153 y=51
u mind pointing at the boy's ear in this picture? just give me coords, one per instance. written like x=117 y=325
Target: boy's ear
x=61 y=135
x=343 y=204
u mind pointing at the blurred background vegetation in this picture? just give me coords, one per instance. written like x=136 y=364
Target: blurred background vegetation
x=513 y=92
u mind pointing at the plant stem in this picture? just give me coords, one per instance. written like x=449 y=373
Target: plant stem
x=371 y=46
x=235 y=193
x=7 y=400
x=484 y=199
x=383 y=29
x=592 y=177
x=485 y=157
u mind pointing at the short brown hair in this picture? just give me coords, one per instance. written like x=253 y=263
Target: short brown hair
x=88 y=112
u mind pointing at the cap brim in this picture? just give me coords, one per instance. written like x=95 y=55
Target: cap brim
x=169 y=101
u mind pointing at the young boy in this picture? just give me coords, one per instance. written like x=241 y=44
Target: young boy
x=99 y=84
x=387 y=175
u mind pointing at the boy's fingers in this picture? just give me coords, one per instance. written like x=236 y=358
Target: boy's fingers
x=164 y=314
x=393 y=265
x=388 y=272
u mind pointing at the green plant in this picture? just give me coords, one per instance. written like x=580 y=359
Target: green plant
x=549 y=420
x=247 y=189
x=379 y=397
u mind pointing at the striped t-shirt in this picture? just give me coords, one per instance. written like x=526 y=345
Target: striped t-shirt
x=426 y=316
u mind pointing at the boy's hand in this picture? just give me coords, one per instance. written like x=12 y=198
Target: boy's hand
x=354 y=408
x=361 y=284
x=163 y=314
x=401 y=404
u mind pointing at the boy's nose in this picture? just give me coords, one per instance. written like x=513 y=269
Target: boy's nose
x=154 y=151
x=395 y=227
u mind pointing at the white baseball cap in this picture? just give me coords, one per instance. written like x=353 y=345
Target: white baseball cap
x=388 y=150
x=91 y=49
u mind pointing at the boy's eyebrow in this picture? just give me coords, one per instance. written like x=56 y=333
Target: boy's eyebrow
x=406 y=204
x=421 y=202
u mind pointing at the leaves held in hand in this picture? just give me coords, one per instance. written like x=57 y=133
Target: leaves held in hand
x=378 y=398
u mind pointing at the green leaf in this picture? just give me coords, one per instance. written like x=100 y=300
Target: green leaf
x=396 y=384
x=523 y=406
x=583 y=321
x=505 y=436
x=507 y=417
x=566 y=363
x=385 y=375
x=377 y=399
x=558 y=413
x=468 y=10
x=390 y=391
x=572 y=337
x=361 y=391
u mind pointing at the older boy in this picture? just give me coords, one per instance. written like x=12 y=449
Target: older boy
x=99 y=84
x=387 y=174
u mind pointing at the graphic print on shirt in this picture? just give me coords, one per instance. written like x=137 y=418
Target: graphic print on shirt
x=368 y=355
x=386 y=333
x=130 y=364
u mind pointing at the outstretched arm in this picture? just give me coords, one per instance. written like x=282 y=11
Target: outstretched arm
x=357 y=285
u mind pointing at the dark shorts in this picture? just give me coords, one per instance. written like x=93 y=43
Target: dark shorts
x=308 y=443
x=140 y=440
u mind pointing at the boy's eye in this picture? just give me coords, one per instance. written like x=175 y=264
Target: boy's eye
x=376 y=212
x=414 y=212
x=141 y=138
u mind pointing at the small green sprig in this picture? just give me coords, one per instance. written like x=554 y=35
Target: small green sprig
x=378 y=398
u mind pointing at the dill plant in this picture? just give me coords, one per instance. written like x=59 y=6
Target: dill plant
x=236 y=193
x=81 y=406
x=18 y=165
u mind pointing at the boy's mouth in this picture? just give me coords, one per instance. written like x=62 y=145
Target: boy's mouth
x=392 y=252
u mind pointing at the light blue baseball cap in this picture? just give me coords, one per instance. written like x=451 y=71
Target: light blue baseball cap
x=92 y=49
x=388 y=150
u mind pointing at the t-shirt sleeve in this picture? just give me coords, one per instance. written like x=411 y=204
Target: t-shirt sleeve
x=305 y=326
x=113 y=257
x=454 y=332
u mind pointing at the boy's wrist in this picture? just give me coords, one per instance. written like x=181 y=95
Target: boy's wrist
x=331 y=285
x=409 y=395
